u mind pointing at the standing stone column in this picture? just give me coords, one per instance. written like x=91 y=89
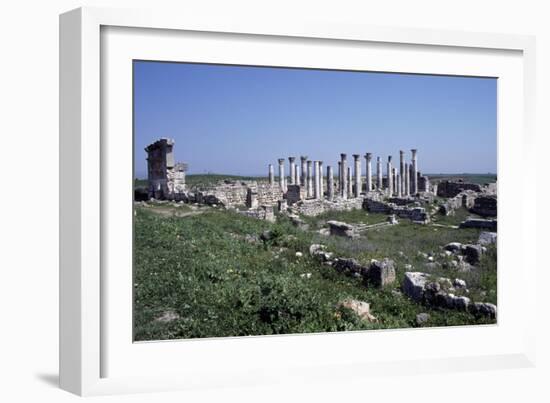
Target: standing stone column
x=407 y=188
x=292 y=170
x=282 y=174
x=394 y=181
x=271 y=175
x=390 y=179
x=344 y=184
x=398 y=182
x=330 y=183
x=368 y=158
x=303 y=167
x=414 y=172
x=401 y=171
x=340 y=177
x=349 y=183
x=296 y=176
x=357 y=173
x=317 y=189
x=321 y=185
x=309 y=179
x=378 y=174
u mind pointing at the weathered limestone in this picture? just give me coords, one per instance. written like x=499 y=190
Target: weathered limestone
x=378 y=174
x=271 y=175
x=368 y=158
x=357 y=173
x=292 y=170
x=166 y=179
x=303 y=167
x=330 y=183
x=407 y=187
x=317 y=183
x=340 y=178
x=296 y=176
x=282 y=184
x=394 y=181
x=344 y=181
x=321 y=186
x=398 y=182
x=349 y=183
x=401 y=172
x=389 y=176
x=414 y=172
x=309 y=179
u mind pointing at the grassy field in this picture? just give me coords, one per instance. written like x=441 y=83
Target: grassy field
x=208 y=270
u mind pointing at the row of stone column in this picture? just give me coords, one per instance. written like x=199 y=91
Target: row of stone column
x=400 y=184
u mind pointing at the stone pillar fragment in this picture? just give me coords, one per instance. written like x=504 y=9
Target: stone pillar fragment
x=394 y=181
x=321 y=185
x=330 y=183
x=349 y=191
x=389 y=176
x=378 y=174
x=296 y=176
x=292 y=170
x=357 y=173
x=407 y=188
x=303 y=167
x=309 y=179
x=401 y=171
x=398 y=182
x=282 y=174
x=344 y=184
x=340 y=177
x=317 y=187
x=414 y=172
x=271 y=175
x=368 y=158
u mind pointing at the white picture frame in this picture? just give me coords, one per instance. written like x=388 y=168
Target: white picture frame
x=97 y=357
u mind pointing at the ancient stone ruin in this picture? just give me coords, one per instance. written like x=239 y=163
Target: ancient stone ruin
x=307 y=188
x=166 y=178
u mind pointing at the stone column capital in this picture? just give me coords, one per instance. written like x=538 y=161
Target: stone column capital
x=343 y=156
x=356 y=157
x=368 y=156
x=303 y=158
x=281 y=161
x=291 y=159
x=389 y=158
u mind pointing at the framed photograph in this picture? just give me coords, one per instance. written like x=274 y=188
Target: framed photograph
x=245 y=202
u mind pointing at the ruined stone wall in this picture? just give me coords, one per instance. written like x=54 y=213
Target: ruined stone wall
x=166 y=179
x=452 y=189
x=260 y=213
x=314 y=207
x=485 y=206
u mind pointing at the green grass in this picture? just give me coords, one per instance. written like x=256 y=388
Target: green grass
x=221 y=283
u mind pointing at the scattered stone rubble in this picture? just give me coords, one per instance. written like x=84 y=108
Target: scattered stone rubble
x=378 y=273
x=360 y=308
x=423 y=288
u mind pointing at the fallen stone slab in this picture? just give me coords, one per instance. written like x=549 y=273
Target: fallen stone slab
x=483 y=309
x=319 y=251
x=350 y=267
x=422 y=318
x=340 y=228
x=360 y=308
x=472 y=253
x=380 y=273
x=487 y=238
x=455 y=247
x=413 y=285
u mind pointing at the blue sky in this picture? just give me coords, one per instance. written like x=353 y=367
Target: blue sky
x=237 y=120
